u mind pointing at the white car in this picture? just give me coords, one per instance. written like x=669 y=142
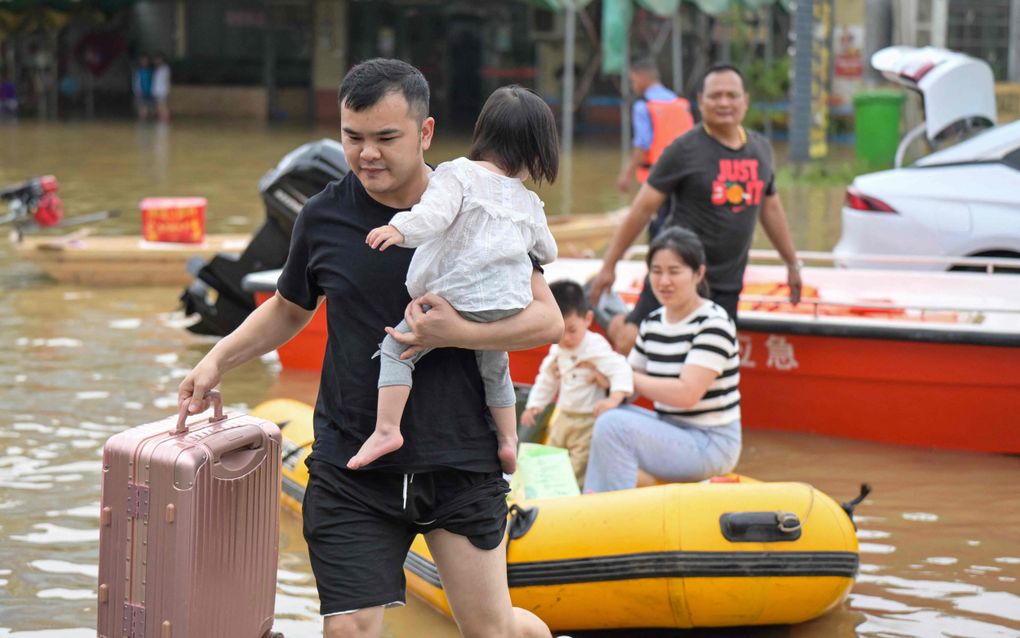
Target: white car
x=958 y=202
x=961 y=200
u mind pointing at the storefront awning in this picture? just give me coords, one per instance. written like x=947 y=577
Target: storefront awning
x=717 y=7
x=558 y=5
x=617 y=15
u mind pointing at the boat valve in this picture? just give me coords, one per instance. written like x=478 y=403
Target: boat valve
x=787 y=522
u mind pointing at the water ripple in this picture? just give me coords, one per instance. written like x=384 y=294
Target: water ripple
x=67 y=594
x=930 y=624
x=57 y=534
x=1001 y=604
x=125 y=324
x=920 y=517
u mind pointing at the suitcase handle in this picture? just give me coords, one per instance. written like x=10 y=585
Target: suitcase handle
x=182 y=416
x=237 y=451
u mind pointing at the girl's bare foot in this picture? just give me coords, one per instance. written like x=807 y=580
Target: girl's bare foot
x=381 y=442
x=507 y=454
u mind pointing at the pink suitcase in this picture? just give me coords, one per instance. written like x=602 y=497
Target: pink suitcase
x=189 y=528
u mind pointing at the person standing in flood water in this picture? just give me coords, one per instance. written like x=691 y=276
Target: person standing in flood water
x=161 y=87
x=719 y=178
x=445 y=482
x=478 y=232
x=659 y=116
x=141 y=87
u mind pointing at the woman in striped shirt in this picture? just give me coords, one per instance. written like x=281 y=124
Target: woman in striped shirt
x=686 y=361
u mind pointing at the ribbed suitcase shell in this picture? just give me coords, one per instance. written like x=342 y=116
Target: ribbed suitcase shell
x=189 y=529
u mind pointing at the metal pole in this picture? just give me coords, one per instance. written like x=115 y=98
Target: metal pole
x=726 y=53
x=310 y=99
x=625 y=96
x=269 y=59
x=53 y=74
x=180 y=30
x=878 y=34
x=939 y=22
x=800 y=116
x=769 y=58
x=905 y=22
x=567 y=107
x=678 y=53
x=1013 y=69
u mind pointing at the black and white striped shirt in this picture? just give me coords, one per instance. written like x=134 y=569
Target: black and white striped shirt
x=706 y=338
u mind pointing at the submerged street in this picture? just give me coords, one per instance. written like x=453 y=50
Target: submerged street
x=938 y=536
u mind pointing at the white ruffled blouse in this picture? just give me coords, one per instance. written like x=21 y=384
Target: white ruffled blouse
x=473 y=230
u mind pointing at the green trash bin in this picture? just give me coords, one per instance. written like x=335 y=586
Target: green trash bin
x=877 y=126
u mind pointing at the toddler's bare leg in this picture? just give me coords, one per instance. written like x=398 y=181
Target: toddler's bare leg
x=500 y=396
x=506 y=436
x=395 y=381
x=387 y=437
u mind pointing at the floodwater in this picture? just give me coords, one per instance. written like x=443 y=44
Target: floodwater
x=940 y=536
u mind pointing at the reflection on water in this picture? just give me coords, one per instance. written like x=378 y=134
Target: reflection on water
x=938 y=536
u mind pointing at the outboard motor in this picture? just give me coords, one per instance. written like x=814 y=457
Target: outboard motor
x=300 y=174
x=33 y=203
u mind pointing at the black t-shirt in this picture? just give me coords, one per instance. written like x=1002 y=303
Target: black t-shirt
x=717 y=192
x=446 y=423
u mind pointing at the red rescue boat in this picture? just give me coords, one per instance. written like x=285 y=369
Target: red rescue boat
x=906 y=357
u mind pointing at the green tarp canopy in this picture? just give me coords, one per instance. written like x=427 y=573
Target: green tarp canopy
x=717 y=7
x=558 y=5
x=617 y=15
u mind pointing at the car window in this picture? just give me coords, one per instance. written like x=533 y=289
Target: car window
x=1012 y=159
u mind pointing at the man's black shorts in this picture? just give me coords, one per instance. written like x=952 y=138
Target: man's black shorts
x=360 y=524
x=647 y=302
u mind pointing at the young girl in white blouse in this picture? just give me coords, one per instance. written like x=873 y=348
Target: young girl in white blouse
x=476 y=230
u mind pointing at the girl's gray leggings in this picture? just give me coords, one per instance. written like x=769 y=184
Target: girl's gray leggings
x=493 y=365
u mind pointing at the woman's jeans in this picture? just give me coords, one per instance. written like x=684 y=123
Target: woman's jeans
x=630 y=437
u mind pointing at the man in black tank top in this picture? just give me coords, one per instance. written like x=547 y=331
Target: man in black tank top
x=445 y=482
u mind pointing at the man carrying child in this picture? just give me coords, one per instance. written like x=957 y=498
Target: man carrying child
x=580 y=368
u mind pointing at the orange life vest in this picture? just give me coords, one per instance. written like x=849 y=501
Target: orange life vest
x=670 y=120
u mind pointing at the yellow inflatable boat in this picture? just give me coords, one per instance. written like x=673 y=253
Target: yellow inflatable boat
x=732 y=551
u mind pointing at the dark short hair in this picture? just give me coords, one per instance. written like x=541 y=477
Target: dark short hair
x=372 y=80
x=516 y=131
x=720 y=67
x=645 y=65
x=570 y=297
x=683 y=243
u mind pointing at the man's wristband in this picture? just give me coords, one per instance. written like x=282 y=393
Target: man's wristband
x=795 y=266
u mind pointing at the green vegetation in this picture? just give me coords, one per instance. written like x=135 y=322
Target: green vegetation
x=769 y=82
